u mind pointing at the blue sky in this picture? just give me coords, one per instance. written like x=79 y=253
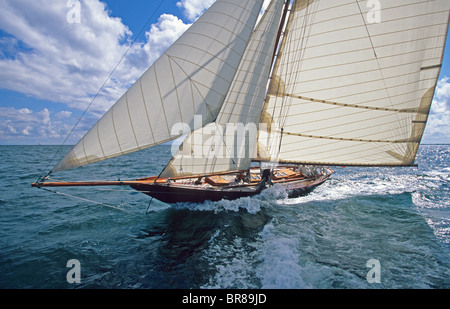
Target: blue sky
x=51 y=65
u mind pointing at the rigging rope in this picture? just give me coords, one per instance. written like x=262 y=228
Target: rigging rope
x=395 y=131
x=83 y=199
x=289 y=62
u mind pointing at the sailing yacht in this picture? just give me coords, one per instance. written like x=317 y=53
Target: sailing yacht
x=276 y=99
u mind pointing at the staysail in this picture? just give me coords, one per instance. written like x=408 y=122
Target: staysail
x=354 y=81
x=229 y=143
x=191 y=78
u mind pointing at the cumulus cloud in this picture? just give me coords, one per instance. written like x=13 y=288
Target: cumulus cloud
x=68 y=62
x=162 y=34
x=45 y=56
x=59 y=61
x=438 y=126
x=23 y=126
x=194 y=8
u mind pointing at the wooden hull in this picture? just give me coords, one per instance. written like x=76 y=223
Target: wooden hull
x=172 y=194
x=215 y=187
x=179 y=193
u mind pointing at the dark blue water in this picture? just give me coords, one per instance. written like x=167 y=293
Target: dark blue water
x=397 y=216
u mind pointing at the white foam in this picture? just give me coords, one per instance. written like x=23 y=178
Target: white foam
x=251 y=204
x=362 y=184
x=271 y=261
x=231 y=261
x=279 y=257
x=441 y=228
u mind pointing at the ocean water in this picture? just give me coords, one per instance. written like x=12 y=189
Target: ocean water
x=397 y=218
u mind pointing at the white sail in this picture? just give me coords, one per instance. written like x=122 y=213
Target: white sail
x=354 y=81
x=191 y=78
x=229 y=143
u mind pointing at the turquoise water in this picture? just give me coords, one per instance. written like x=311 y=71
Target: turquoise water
x=399 y=217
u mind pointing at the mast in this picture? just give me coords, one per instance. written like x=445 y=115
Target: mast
x=221 y=145
x=280 y=29
x=272 y=139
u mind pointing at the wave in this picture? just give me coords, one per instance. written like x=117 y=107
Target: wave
x=252 y=204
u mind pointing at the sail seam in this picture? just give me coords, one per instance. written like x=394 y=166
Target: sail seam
x=161 y=99
x=99 y=140
x=194 y=33
x=325 y=155
x=360 y=130
x=131 y=121
x=437 y=66
x=114 y=129
x=406 y=140
x=146 y=110
x=193 y=83
x=369 y=60
x=367 y=31
x=84 y=150
x=407 y=125
x=394 y=86
x=176 y=88
x=242 y=8
x=367 y=71
x=213 y=56
x=381 y=98
x=357 y=14
x=203 y=68
x=355 y=122
x=225 y=47
x=400 y=110
x=333 y=53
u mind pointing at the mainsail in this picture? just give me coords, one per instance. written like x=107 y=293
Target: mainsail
x=191 y=78
x=352 y=84
x=354 y=81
